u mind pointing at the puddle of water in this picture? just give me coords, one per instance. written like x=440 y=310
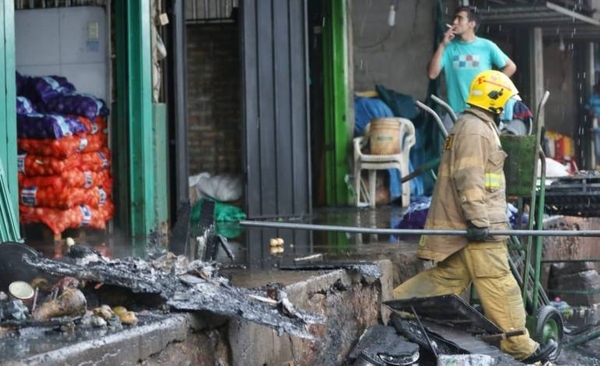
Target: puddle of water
x=333 y=246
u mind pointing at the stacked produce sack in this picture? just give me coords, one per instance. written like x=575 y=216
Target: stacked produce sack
x=64 y=160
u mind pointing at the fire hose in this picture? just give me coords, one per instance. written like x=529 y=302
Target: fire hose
x=386 y=231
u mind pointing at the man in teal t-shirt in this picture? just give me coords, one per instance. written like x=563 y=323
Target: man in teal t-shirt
x=462 y=55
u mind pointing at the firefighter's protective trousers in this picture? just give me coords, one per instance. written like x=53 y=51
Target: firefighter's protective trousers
x=486 y=266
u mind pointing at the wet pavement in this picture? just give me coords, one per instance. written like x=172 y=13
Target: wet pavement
x=339 y=246
x=587 y=355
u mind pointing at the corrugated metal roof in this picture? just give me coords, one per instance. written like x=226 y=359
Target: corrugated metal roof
x=555 y=20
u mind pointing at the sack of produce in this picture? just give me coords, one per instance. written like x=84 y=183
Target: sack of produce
x=32 y=165
x=21 y=81
x=64 y=147
x=70 y=179
x=60 y=220
x=48 y=126
x=24 y=106
x=40 y=89
x=94 y=126
x=62 y=199
x=78 y=104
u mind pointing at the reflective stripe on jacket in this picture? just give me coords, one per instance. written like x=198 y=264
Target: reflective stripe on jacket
x=470 y=185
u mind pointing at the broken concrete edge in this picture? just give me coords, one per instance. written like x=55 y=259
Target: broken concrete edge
x=316 y=283
x=300 y=292
x=350 y=301
x=122 y=348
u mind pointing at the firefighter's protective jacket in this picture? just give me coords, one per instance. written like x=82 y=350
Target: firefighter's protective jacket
x=470 y=186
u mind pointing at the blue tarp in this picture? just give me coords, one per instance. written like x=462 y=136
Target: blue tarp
x=366 y=109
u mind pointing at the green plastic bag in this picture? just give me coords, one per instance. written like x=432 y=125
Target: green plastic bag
x=227 y=218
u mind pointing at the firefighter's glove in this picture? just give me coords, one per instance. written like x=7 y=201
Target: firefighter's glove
x=476 y=234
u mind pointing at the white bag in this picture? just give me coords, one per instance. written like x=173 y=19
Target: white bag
x=223 y=188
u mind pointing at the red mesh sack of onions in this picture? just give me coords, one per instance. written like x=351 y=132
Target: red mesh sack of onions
x=64 y=147
x=32 y=165
x=62 y=198
x=70 y=179
x=60 y=220
x=95 y=125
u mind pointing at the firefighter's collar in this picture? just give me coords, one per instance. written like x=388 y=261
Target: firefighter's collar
x=481 y=114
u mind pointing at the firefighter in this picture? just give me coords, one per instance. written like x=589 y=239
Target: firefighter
x=470 y=195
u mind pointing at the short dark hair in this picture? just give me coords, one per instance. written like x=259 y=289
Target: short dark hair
x=472 y=14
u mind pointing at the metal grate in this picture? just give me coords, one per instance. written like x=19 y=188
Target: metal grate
x=577 y=195
x=42 y=4
x=210 y=10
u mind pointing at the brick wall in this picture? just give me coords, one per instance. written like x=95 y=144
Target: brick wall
x=214 y=102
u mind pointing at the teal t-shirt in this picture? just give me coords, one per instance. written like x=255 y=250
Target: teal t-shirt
x=594 y=104
x=462 y=61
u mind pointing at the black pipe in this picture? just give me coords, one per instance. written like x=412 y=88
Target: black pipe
x=177 y=104
x=374 y=230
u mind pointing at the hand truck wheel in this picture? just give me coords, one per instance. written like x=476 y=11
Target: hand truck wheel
x=549 y=325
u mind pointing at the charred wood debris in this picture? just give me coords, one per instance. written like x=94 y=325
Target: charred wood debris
x=167 y=283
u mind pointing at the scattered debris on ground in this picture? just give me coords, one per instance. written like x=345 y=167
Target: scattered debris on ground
x=167 y=283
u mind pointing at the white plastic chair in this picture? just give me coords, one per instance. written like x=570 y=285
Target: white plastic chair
x=365 y=161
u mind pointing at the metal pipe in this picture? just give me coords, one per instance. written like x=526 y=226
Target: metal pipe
x=424 y=331
x=570 y=260
x=371 y=230
x=437 y=118
x=178 y=100
x=537 y=207
x=572 y=14
x=421 y=169
x=446 y=107
x=568 y=343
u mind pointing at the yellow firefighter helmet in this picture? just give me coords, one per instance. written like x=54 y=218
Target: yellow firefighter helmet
x=490 y=90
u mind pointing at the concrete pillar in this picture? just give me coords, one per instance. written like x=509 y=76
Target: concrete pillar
x=591 y=80
x=538 y=68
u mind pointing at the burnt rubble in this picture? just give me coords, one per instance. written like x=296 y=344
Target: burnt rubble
x=189 y=286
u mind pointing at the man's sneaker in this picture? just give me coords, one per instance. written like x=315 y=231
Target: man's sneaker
x=542 y=353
